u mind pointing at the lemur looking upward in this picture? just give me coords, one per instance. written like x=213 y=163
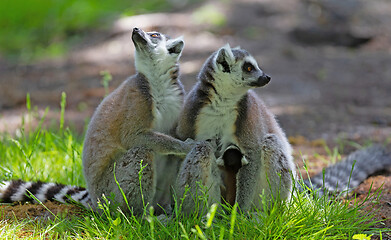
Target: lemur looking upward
x=130 y=126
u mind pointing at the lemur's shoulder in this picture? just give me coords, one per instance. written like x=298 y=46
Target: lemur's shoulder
x=129 y=101
x=195 y=100
x=252 y=114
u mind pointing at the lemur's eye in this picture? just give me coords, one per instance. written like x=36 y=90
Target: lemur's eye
x=248 y=67
x=155 y=35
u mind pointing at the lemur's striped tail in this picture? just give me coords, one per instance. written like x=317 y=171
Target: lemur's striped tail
x=17 y=190
x=343 y=176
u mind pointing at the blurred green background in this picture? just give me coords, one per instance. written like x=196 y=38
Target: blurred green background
x=31 y=29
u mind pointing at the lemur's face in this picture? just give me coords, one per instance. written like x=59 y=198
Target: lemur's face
x=154 y=49
x=238 y=69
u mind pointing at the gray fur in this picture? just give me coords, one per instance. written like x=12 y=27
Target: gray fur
x=350 y=172
x=128 y=131
x=131 y=126
x=198 y=173
x=222 y=106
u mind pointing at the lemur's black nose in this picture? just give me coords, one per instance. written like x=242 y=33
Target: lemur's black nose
x=136 y=29
x=263 y=80
x=268 y=77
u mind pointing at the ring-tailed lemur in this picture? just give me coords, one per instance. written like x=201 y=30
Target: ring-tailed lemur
x=253 y=153
x=130 y=126
x=253 y=149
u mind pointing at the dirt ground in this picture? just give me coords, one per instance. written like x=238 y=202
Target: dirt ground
x=39 y=212
x=329 y=61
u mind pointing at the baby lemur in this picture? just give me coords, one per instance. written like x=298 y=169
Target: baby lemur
x=252 y=148
x=129 y=128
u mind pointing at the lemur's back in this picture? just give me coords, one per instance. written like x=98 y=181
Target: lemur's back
x=121 y=114
x=129 y=129
x=127 y=134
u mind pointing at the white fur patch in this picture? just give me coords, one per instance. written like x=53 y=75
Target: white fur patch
x=217 y=120
x=167 y=103
x=41 y=195
x=59 y=196
x=85 y=202
x=78 y=195
x=252 y=60
x=157 y=67
x=18 y=195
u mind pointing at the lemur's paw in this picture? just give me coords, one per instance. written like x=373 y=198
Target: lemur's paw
x=209 y=146
x=212 y=142
x=190 y=143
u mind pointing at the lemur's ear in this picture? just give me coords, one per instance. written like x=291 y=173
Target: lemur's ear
x=175 y=46
x=224 y=58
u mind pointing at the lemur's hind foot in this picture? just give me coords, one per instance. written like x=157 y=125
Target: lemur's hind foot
x=199 y=177
x=134 y=180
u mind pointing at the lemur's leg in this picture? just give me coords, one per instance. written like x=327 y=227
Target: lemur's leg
x=127 y=169
x=269 y=172
x=167 y=168
x=198 y=173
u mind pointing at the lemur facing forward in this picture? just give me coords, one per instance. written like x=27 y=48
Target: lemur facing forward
x=252 y=148
x=130 y=126
x=253 y=156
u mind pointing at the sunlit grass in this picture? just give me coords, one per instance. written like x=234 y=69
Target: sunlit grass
x=55 y=155
x=42 y=154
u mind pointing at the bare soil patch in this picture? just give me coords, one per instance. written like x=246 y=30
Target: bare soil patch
x=50 y=210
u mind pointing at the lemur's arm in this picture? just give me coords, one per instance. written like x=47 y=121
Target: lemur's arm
x=165 y=144
x=248 y=178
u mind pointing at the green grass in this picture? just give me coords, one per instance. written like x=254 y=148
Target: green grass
x=54 y=154
x=42 y=154
x=32 y=29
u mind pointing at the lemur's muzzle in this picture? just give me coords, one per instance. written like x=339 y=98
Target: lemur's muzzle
x=138 y=37
x=262 y=81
